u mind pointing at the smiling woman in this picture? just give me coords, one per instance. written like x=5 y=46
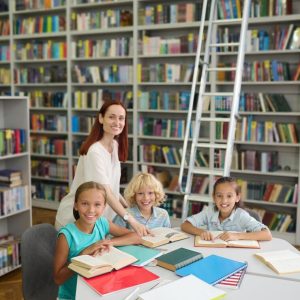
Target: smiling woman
x=99 y=161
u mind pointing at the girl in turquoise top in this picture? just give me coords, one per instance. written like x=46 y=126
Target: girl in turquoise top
x=87 y=235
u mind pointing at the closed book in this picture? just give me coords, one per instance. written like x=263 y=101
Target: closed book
x=121 y=279
x=189 y=287
x=232 y=282
x=178 y=258
x=212 y=269
x=143 y=254
x=9 y=174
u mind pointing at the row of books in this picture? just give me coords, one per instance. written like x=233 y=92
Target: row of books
x=5 y=76
x=95 y=99
x=96 y=48
x=39 y=98
x=5 y=53
x=4 y=27
x=281 y=222
x=10 y=254
x=108 y=74
x=169 y=13
x=249 y=129
x=41 y=74
x=48 y=191
x=38 y=4
x=156 y=45
x=76 y=144
x=106 y=18
x=164 y=72
x=48 y=49
x=48 y=146
x=12 y=141
x=82 y=123
x=13 y=199
x=268 y=191
x=57 y=168
x=39 y=24
x=229 y=9
x=49 y=122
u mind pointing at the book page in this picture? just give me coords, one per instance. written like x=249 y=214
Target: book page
x=244 y=244
x=272 y=256
x=290 y=265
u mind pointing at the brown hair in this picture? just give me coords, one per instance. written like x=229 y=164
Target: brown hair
x=234 y=184
x=139 y=181
x=97 y=132
x=89 y=185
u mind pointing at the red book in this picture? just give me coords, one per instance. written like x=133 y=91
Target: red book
x=121 y=279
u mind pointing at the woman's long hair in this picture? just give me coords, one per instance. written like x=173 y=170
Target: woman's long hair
x=97 y=132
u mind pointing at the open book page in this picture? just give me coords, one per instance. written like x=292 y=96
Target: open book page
x=115 y=258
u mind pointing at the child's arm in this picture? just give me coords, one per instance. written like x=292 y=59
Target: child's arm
x=122 y=236
x=263 y=235
x=61 y=270
x=187 y=227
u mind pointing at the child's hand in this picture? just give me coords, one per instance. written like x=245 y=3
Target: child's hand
x=228 y=236
x=206 y=236
x=97 y=248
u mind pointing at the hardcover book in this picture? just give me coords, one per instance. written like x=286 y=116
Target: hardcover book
x=90 y=266
x=232 y=282
x=161 y=236
x=218 y=243
x=178 y=258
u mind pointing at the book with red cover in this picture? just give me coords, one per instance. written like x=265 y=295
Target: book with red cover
x=232 y=282
x=121 y=279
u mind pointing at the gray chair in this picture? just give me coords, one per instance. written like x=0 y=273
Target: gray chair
x=253 y=214
x=37 y=254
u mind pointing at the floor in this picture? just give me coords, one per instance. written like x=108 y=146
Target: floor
x=11 y=284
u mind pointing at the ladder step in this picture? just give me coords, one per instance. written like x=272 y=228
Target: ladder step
x=216 y=119
x=218 y=94
x=215 y=146
x=228 y=21
x=222 y=69
x=198 y=198
x=206 y=171
x=224 y=45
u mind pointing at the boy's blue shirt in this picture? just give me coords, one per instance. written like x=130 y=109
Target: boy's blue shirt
x=78 y=241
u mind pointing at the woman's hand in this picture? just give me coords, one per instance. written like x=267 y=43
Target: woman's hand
x=97 y=248
x=140 y=229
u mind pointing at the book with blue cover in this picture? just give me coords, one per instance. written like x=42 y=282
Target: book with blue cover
x=212 y=269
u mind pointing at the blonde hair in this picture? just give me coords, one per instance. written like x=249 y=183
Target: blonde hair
x=139 y=181
x=89 y=185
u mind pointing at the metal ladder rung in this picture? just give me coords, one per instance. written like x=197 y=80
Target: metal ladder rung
x=199 y=198
x=205 y=171
x=218 y=94
x=222 y=69
x=209 y=119
x=227 y=21
x=215 y=146
x=224 y=45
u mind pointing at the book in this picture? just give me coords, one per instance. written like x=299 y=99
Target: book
x=178 y=258
x=218 y=243
x=90 y=266
x=282 y=262
x=161 y=236
x=232 y=282
x=212 y=269
x=189 y=287
x=10 y=174
x=143 y=254
x=125 y=278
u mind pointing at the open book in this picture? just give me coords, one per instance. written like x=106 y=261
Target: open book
x=162 y=235
x=218 y=243
x=90 y=266
x=282 y=261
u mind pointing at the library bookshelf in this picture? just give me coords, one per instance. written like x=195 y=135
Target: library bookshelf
x=142 y=52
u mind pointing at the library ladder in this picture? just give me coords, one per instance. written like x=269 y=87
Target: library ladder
x=192 y=148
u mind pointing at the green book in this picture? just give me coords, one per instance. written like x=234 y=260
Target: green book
x=178 y=258
x=143 y=254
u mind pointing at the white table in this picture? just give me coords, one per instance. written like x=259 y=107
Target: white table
x=259 y=282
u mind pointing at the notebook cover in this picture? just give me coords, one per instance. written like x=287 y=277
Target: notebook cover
x=143 y=254
x=212 y=269
x=232 y=282
x=121 y=279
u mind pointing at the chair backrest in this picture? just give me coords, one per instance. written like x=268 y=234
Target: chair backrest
x=253 y=214
x=37 y=254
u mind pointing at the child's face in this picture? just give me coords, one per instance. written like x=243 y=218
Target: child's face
x=90 y=205
x=145 y=198
x=225 y=198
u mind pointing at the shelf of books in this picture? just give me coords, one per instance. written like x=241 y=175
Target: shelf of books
x=15 y=200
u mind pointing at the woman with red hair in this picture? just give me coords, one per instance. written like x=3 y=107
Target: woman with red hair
x=99 y=161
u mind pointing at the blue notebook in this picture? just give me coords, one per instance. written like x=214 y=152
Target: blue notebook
x=212 y=269
x=143 y=254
